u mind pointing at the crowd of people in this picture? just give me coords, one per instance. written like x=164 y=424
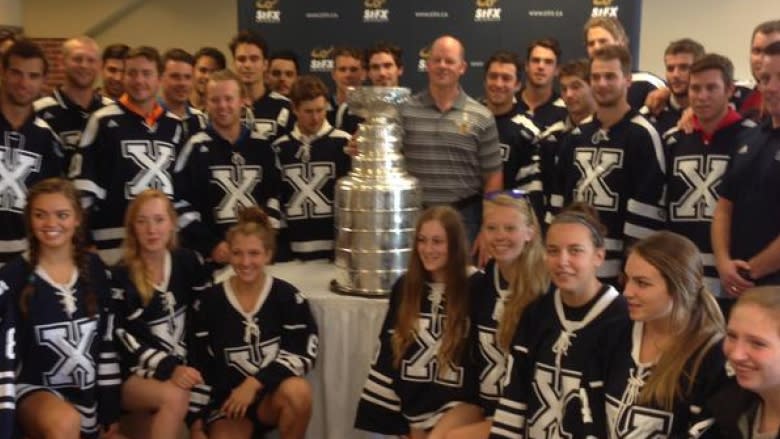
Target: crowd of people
x=598 y=254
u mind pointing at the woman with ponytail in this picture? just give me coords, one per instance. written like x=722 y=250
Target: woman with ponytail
x=420 y=385
x=254 y=338
x=514 y=278
x=67 y=380
x=670 y=362
x=155 y=284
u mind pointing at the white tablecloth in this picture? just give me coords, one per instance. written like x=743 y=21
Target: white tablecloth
x=348 y=327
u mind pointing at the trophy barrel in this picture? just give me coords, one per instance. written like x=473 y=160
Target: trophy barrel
x=377 y=203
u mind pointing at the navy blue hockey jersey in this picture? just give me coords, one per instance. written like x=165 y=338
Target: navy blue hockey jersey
x=310 y=167
x=341 y=118
x=560 y=356
x=214 y=180
x=59 y=347
x=270 y=116
x=27 y=155
x=544 y=115
x=642 y=83
x=7 y=367
x=120 y=156
x=689 y=418
x=520 y=153
x=696 y=167
x=416 y=394
x=275 y=340
x=487 y=309
x=549 y=142
x=153 y=337
x=67 y=118
x=619 y=171
x=667 y=118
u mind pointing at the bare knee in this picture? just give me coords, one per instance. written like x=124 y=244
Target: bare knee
x=62 y=423
x=295 y=395
x=174 y=399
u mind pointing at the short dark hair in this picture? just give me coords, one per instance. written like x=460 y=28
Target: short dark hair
x=685 y=45
x=385 y=47
x=505 y=57
x=287 y=55
x=149 y=53
x=25 y=49
x=351 y=52
x=767 y=27
x=611 y=52
x=179 y=55
x=115 y=51
x=306 y=88
x=772 y=49
x=578 y=67
x=548 y=43
x=713 y=61
x=249 y=37
x=213 y=53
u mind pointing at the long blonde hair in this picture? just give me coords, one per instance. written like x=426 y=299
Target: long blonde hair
x=697 y=323
x=456 y=292
x=140 y=273
x=529 y=279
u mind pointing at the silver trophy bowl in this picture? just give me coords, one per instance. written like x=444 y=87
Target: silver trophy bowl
x=377 y=203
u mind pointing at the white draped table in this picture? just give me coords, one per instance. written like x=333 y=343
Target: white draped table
x=348 y=328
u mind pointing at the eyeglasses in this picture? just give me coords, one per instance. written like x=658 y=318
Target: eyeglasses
x=517 y=194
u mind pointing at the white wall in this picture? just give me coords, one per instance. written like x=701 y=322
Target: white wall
x=722 y=26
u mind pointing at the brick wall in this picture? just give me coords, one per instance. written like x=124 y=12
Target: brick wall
x=52 y=47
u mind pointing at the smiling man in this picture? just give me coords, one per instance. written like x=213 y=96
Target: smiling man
x=385 y=64
x=30 y=149
x=451 y=142
x=176 y=86
x=127 y=147
x=516 y=132
x=70 y=105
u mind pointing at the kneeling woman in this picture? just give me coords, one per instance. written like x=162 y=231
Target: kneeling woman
x=419 y=384
x=67 y=381
x=158 y=283
x=254 y=340
x=671 y=361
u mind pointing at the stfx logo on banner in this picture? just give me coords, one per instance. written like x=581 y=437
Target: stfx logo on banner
x=424 y=53
x=321 y=60
x=604 y=8
x=374 y=11
x=486 y=11
x=267 y=11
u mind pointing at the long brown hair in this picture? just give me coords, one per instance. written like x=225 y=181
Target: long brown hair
x=696 y=321
x=80 y=254
x=456 y=292
x=529 y=279
x=140 y=273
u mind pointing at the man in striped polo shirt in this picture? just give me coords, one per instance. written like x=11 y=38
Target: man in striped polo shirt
x=451 y=141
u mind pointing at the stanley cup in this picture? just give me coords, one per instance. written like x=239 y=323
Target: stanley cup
x=378 y=202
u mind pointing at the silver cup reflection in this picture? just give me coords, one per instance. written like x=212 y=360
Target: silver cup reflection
x=377 y=203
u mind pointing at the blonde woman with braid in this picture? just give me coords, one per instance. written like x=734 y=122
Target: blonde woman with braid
x=514 y=278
